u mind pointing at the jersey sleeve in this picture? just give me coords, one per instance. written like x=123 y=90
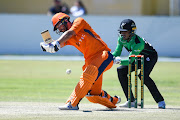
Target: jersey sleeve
x=78 y=24
x=135 y=51
x=118 y=49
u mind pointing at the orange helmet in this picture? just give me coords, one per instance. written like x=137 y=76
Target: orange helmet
x=59 y=17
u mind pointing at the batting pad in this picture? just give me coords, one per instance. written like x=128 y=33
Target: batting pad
x=84 y=85
x=101 y=100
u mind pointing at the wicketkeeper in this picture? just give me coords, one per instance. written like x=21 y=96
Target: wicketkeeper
x=136 y=45
x=98 y=59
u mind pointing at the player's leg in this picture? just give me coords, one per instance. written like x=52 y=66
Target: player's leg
x=97 y=95
x=122 y=72
x=97 y=86
x=90 y=74
x=84 y=85
x=105 y=64
x=148 y=67
x=103 y=100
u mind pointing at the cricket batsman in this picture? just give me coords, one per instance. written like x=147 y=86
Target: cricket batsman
x=136 y=45
x=98 y=59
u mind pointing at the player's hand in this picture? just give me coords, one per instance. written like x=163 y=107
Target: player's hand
x=51 y=48
x=117 y=60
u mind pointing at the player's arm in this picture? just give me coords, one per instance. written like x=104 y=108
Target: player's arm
x=118 y=49
x=135 y=51
x=117 y=52
x=65 y=37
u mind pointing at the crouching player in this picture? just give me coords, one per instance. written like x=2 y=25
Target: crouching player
x=98 y=59
x=136 y=45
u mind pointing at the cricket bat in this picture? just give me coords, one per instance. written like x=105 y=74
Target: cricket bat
x=46 y=37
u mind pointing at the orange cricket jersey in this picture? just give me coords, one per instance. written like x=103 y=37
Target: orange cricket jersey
x=86 y=39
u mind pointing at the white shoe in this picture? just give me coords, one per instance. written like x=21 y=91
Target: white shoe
x=68 y=106
x=126 y=104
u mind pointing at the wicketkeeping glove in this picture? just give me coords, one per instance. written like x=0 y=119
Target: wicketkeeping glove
x=117 y=60
x=51 y=48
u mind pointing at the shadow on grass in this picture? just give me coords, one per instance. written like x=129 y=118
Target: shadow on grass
x=133 y=109
x=107 y=109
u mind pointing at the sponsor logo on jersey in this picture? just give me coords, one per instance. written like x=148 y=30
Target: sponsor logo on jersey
x=137 y=50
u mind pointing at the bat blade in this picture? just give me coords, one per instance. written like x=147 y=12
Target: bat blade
x=46 y=37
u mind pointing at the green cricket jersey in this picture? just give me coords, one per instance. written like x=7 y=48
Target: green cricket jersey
x=136 y=46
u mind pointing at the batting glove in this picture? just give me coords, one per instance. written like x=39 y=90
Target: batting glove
x=117 y=60
x=51 y=48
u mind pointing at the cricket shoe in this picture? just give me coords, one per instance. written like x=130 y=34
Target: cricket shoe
x=162 y=105
x=68 y=106
x=126 y=104
x=116 y=100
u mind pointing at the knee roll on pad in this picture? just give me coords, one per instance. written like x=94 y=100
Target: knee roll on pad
x=84 y=85
x=90 y=73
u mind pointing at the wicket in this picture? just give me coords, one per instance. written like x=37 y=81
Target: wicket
x=136 y=80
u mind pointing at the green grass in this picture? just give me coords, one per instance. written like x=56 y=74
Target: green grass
x=47 y=81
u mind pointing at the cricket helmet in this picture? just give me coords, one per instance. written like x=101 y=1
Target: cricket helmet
x=127 y=25
x=59 y=17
